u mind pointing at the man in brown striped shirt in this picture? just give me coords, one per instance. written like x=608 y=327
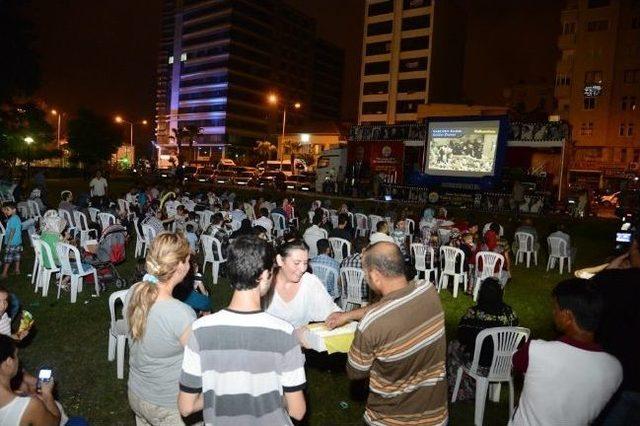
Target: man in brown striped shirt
x=400 y=344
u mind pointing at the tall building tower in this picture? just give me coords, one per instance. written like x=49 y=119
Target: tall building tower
x=412 y=53
x=598 y=87
x=219 y=60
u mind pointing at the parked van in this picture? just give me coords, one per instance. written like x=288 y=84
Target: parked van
x=283 y=166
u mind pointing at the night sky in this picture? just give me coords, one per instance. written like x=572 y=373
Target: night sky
x=102 y=54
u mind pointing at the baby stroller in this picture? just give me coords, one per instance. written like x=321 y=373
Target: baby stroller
x=111 y=252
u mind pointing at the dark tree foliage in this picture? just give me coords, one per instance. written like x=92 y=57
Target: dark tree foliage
x=17 y=122
x=93 y=138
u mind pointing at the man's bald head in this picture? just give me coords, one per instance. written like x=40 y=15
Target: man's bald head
x=384 y=257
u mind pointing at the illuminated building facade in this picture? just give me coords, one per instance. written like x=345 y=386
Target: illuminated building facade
x=218 y=61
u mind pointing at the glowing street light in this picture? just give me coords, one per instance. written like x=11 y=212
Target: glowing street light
x=273 y=100
x=59 y=115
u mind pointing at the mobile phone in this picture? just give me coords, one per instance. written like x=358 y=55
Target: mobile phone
x=45 y=374
x=623 y=237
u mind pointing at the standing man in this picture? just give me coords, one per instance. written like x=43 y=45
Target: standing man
x=99 y=187
x=243 y=365
x=400 y=344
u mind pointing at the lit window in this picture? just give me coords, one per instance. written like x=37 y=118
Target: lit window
x=183 y=57
x=170 y=59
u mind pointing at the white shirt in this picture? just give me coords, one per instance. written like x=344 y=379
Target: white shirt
x=5 y=324
x=311 y=237
x=376 y=237
x=98 y=187
x=238 y=215
x=311 y=303
x=565 y=385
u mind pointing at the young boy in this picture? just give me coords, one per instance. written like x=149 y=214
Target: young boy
x=192 y=238
x=567 y=381
x=12 y=239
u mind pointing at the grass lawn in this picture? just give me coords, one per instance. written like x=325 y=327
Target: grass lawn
x=73 y=338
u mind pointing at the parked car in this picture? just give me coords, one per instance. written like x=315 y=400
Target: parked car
x=300 y=183
x=244 y=178
x=166 y=173
x=271 y=180
x=204 y=174
x=226 y=164
x=224 y=176
x=609 y=200
x=189 y=172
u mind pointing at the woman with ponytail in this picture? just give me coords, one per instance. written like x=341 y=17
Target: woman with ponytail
x=159 y=327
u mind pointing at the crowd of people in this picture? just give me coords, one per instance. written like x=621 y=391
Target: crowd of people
x=245 y=364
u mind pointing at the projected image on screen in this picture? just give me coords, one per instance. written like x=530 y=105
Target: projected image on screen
x=462 y=148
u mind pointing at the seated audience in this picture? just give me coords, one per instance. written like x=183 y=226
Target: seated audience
x=245 y=229
x=267 y=395
x=314 y=233
x=355 y=261
x=559 y=232
x=67 y=202
x=263 y=220
x=192 y=237
x=342 y=231
x=297 y=296
x=490 y=311
x=527 y=228
x=381 y=234
x=568 y=381
x=324 y=259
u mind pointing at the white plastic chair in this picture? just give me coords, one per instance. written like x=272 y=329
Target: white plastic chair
x=351 y=279
x=118 y=332
x=36 y=261
x=492 y=264
x=352 y=220
x=337 y=245
x=3 y=231
x=106 y=220
x=124 y=207
x=212 y=254
x=149 y=233
x=279 y=224
x=444 y=235
x=452 y=265
x=71 y=225
x=44 y=277
x=373 y=222
x=409 y=229
x=140 y=240
x=205 y=218
x=419 y=252
x=93 y=214
x=505 y=342
x=82 y=226
x=324 y=274
x=334 y=218
x=559 y=251
x=526 y=248
x=34 y=210
x=72 y=266
x=362 y=225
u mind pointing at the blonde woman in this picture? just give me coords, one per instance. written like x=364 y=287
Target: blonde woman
x=160 y=327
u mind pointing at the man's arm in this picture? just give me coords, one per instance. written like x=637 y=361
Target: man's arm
x=189 y=403
x=338 y=319
x=296 y=405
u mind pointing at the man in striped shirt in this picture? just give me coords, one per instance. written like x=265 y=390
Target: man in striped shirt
x=400 y=345
x=243 y=366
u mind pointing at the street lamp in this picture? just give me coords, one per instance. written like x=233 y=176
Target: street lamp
x=272 y=98
x=59 y=115
x=29 y=140
x=120 y=120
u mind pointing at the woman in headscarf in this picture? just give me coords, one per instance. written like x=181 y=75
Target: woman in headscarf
x=428 y=224
x=490 y=311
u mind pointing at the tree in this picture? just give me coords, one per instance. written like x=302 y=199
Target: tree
x=17 y=122
x=93 y=138
x=265 y=149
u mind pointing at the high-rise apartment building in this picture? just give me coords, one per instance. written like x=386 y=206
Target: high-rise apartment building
x=598 y=86
x=220 y=59
x=412 y=54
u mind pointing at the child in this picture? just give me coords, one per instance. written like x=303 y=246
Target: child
x=13 y=239
x=192 y=237
x=5 y=318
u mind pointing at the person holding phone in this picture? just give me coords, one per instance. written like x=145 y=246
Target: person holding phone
x=38 y=409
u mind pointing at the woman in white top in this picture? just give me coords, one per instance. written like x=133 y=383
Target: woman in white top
x=23 y=410
x=296 y=295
